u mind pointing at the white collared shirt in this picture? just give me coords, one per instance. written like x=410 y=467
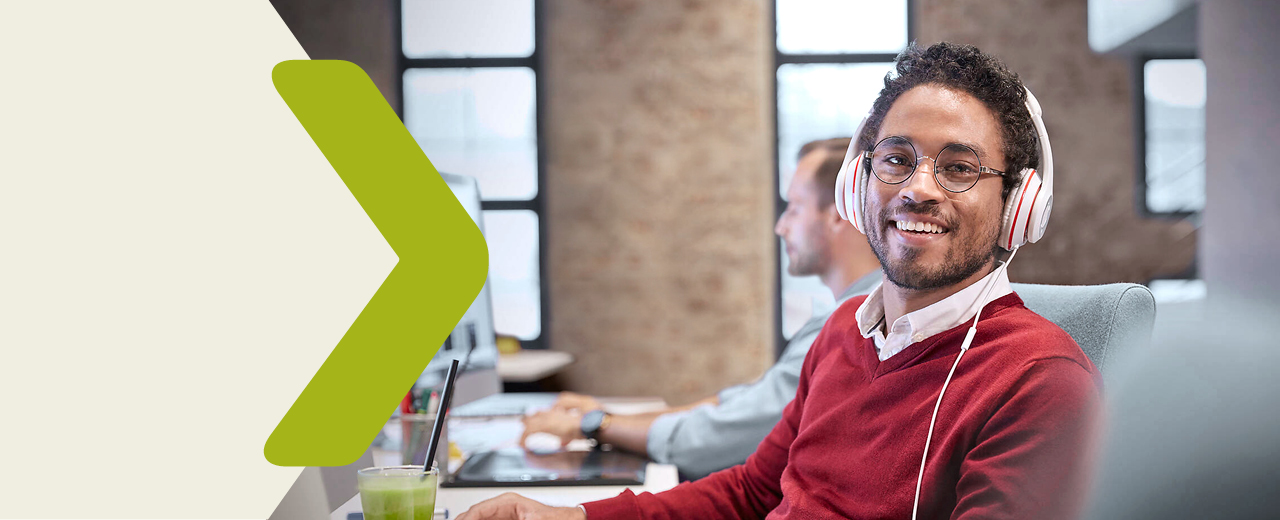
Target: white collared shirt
x=918 y=326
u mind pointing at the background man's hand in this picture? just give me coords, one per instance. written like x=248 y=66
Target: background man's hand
x=579 y=402
x=510 y=506
x=563 y=423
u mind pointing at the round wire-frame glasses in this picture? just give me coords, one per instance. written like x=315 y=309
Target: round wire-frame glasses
x=956 y=167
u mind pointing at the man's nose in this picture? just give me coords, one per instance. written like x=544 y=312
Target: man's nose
x=923 y=186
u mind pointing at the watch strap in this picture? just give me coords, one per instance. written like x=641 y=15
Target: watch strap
x=593 y=422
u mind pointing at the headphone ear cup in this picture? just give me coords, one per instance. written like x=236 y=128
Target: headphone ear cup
x=1006 y=217
x=1018 y=210
x=840 y=192
x=860 y=195
x=1038 y=218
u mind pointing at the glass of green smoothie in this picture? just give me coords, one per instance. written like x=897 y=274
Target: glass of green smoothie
x=398 y=492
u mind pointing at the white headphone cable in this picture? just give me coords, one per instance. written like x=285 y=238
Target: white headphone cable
x=964 y=347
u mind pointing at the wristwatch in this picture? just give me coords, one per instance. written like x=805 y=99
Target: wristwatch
x=593 y=423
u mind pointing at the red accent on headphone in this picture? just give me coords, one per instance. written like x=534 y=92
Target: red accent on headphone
x=1013 y=226
x=1033 y=199
x=857 y=169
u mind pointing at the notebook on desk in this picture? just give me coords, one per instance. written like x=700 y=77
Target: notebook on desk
x=516 y=467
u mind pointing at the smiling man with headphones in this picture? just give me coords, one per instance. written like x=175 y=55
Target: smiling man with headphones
x=939 y=395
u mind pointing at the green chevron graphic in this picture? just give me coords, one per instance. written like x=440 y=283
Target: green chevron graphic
x=443 y=263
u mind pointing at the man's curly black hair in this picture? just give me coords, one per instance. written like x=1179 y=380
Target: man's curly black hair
x=967 y=69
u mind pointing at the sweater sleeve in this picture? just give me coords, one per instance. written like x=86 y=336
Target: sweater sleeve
x=1033 y=456
x=746 y=491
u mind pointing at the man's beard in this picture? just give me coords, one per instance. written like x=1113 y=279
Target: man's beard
x=806 y=263
x=963 y=259
x=810 y=259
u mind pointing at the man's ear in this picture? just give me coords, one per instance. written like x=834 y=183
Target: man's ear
x=832 y=216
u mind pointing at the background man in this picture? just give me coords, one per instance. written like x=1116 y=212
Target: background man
x=722 y=430
x=1012 y=436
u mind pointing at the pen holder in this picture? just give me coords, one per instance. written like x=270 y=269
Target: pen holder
x=416 y=430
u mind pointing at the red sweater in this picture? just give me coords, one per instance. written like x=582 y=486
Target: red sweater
x=1012 y=438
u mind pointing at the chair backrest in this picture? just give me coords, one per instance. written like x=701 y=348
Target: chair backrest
x=1104 y=320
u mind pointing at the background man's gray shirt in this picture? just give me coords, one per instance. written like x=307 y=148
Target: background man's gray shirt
x=711 y=438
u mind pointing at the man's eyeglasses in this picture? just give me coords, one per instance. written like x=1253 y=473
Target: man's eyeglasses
x=956 y=167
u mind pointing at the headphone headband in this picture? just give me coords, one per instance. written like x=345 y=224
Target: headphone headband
x=845 y=201
x=1033 y=192
x=1046 y=154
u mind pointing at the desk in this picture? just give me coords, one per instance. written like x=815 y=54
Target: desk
x=658 y=477
x=528 y=366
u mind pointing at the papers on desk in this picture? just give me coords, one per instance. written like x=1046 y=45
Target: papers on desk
x=476 y=434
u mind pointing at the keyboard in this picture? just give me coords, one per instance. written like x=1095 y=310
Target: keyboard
x=498 y=405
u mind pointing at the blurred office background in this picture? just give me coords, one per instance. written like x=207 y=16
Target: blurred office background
x=633 y=155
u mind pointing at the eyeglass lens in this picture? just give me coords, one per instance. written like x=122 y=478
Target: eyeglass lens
x=956 y=167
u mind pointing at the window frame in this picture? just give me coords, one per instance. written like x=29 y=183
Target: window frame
x=779 y=59
x=1140 y=140
x=536 y=204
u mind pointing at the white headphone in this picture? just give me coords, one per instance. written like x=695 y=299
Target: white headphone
x=1026 y=213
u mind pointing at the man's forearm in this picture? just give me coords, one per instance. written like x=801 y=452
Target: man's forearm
x=629 y=432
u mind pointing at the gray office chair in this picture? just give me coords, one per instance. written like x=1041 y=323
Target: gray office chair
x=1104 y=320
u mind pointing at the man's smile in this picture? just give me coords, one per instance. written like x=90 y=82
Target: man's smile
x=917 y=230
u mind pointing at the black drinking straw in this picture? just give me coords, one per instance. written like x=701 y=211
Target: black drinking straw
x=434 y=442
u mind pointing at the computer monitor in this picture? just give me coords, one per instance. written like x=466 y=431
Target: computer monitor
x=472 y=341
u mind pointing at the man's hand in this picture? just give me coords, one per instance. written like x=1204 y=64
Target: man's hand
x=510 y=506
x=579 y=402
x=565 y=424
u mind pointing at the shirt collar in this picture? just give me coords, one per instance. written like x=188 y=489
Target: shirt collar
x=939 y=317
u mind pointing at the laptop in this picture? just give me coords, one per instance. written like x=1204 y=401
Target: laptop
x=512 y=467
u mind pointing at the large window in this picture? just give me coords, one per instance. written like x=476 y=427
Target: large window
x=832 y=56
x=1171 y=148
x=1172 y=169
x=469 y=73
